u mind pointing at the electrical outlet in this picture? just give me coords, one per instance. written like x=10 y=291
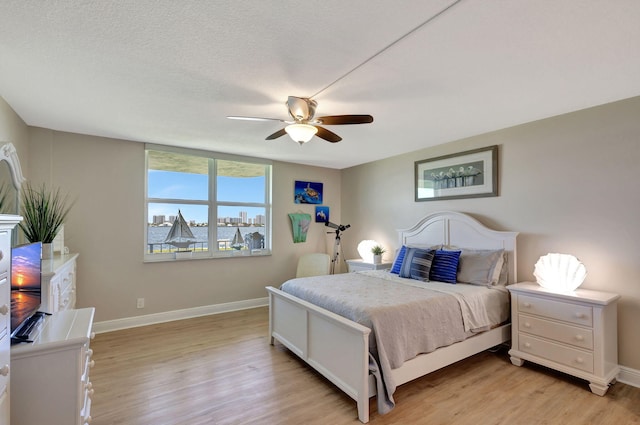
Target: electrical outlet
x=140 y=303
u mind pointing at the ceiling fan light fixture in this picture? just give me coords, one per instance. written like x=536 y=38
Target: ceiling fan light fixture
x=301 y=133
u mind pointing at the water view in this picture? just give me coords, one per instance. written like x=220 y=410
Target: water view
x=157 y=235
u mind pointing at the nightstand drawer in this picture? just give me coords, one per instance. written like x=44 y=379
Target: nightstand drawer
x=574 y=313
x=560 y=332
x=555 y=352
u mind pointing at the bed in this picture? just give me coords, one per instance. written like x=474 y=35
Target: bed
x=341 y=349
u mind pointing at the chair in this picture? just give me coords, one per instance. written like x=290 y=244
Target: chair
x=315 y=264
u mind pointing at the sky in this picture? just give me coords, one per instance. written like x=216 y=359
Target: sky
x=174 y=185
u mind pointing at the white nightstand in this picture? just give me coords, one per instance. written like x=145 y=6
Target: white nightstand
x=359 y=265
x=575 y=333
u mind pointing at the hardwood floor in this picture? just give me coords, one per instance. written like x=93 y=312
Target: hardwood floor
x=220 y=369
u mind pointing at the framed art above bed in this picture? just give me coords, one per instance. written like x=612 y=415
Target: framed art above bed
x=470 y=174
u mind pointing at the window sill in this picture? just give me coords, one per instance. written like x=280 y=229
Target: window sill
x=171 y=257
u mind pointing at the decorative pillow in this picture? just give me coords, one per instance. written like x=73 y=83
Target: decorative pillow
x=397 y=263
x=417 y=264
x=445 y=266
x=480 y=267
x=503 y=279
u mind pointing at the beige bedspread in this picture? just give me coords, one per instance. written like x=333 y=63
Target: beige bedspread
x=407 y=317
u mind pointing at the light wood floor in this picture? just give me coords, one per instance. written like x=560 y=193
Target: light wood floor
x=221 y=369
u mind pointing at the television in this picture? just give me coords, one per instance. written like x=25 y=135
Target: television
x=26 y=287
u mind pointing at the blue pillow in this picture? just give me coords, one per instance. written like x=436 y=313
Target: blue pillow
x=397 y=263
x=445 y=266
x=417 y=264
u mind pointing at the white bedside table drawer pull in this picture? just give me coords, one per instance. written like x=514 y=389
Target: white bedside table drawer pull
x=579 y=338
x=4 y=309
x=527 y=325
x=580 y=316
x=4 y=370
x=527 y=345
x=527 y=305
x=579 y=360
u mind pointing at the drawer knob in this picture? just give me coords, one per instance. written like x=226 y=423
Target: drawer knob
x=90 y=393
x=526 y=344
x=89 y=352
x=4 y=309
x=527 y=325
x=92 y=363
x=527 y=305
x=579 y=360
x=579 y=338
x=87 y=419
x=93 y=335
x=581 y=316
x=4 y=370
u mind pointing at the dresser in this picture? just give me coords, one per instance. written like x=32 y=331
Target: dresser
x=359 y=265
x=7 y=223
x=575 y=333
x=59 y=283
x=50 y=377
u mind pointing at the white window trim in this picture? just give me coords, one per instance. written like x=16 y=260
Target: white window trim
x=213 y=204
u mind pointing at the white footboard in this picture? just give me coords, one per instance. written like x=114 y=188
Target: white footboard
x=336 y=347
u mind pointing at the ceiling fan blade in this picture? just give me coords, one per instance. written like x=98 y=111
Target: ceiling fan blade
x=277 y=134
x=345 y=119
x=327 y=135
x=254 y=118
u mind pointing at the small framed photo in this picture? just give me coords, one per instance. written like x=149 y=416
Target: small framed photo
x=322 y=214
x=307 y=192
x=470 y=174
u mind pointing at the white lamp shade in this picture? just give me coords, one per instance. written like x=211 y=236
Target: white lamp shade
x=364 y=249
x=559 y=272
x=301 y=133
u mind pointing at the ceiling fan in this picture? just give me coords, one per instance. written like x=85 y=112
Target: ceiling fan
x=304 y=125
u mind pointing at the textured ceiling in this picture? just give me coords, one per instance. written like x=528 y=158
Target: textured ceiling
x=169 y=72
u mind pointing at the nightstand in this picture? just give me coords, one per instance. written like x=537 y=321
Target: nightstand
x=359 y=265
x=575 y=332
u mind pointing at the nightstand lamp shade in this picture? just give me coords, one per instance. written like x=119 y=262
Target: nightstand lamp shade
x=364 y=249
x=559 y=272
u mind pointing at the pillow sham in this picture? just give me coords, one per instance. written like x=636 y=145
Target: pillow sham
x=445 y=266
x=480 y=267
x=417 y=264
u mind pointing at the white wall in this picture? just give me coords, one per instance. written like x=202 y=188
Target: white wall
x=568 y=184
x=106 y=226
x=14 y=130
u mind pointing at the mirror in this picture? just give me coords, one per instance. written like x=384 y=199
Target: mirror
x=11 y=180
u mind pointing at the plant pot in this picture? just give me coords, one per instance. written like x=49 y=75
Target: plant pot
x=377 y=259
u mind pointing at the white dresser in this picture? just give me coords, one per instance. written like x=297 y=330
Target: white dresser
x=575 y=333
x=7 y=223
x=50 y=377
x=59 y=283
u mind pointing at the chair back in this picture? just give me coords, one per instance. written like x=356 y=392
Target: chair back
x=315 y=264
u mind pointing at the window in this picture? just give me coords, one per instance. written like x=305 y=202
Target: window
x=202 y=205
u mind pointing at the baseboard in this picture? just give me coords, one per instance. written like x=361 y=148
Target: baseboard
x=168 y=316
x=629 y=376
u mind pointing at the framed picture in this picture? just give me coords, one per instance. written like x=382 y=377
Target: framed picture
x=470 y=174
x=322 y=214
x=307 y=192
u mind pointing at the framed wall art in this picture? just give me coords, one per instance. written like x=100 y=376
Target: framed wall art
x=322 y=214
x=307 y=192
x=470 y=174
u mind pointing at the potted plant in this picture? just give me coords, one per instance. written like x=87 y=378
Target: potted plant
x=44 y=212
x=377 y=251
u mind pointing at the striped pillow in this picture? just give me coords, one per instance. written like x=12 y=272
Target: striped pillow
x=417 y=264
x=397 y=263
x=445 y=266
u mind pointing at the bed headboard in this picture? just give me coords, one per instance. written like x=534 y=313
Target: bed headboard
x=461 y=230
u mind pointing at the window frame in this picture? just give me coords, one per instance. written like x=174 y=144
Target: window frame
x=212 y=203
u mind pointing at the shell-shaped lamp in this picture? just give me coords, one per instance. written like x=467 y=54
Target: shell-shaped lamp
x=559 y=272
x=364 y=249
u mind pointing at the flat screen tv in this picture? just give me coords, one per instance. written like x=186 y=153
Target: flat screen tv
x=25 y=283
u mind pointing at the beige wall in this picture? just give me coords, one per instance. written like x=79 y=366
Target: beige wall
x=568 y=184
x=106 y=226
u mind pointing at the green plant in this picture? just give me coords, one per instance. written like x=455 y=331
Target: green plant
x=44 y=211
x=378 y=250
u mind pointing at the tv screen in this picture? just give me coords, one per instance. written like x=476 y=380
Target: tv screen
x=25 y=283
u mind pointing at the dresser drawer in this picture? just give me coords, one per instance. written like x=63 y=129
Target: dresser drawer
x=567 y=312
x=579 y=337
x=574 y=358
x=5 y=306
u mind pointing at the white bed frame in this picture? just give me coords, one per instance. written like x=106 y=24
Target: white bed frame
x=339 y=348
